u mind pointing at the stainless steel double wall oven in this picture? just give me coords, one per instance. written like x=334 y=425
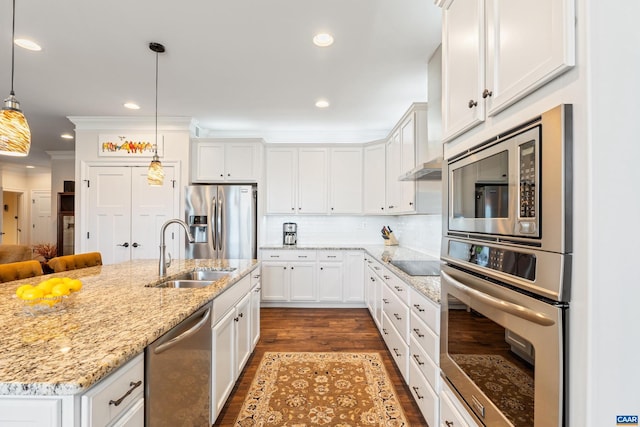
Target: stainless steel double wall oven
x=507 y=272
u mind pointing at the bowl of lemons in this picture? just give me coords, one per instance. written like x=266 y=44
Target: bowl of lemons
x=49 y=295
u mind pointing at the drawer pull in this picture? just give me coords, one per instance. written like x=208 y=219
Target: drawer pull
x=386 y=277
x=332 y=256
x=448 y=423
x=375 y=267
x=302 y=256
x=398 y=288
x=257 y=276
x=257 y=289
x=133 y=387
x=415 y=356
x=384 y=300
x=372 y=279
x=274 y=256
x=397 y=316
x=417 y=331
x=415 y=390
x=417 y=306
x=395 y=350
x=384 y=331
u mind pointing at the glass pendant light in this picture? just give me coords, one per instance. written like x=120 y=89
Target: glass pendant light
x=15 y=136
x=155 y=174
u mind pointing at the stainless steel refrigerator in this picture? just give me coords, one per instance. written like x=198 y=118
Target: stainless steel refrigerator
x=222 y=219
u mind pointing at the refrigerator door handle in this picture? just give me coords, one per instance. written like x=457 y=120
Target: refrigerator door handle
x=220 y=224
x=214 y=208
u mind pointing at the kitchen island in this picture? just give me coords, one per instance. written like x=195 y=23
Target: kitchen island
x=112 y=319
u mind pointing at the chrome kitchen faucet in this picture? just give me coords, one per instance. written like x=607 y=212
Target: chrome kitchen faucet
x=162 y=267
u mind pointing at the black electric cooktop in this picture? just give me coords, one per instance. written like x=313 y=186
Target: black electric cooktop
x=418 y=267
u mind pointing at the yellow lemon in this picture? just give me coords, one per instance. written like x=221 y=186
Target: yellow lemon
x=60 y=289
x=75 y=285
x=21 y=289
x=56 y=280
x=31 y=294
x=45 y=286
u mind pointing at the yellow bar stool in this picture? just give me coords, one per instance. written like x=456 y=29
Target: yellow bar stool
x=73 y=262
x=20 y=270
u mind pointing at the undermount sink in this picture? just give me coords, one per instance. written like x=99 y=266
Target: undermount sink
x=184 y=284
x=194 y=279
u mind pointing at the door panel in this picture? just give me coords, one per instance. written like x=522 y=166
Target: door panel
x=152 y=206
x=109 y=221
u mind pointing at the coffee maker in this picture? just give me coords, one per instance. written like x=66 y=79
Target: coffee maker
x=289 y=233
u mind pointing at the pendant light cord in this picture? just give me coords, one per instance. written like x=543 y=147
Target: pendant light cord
x=156 y=150
x=13 y=36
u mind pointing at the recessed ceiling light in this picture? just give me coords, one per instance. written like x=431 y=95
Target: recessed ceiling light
x=322 y=103
x=66 y=136
x=323 y=40
x=30 y=167
x=28 y=44
x=132 y=106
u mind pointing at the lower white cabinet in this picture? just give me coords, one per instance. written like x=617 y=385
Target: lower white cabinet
x=256 y=296
x=28 y=411
x=423 y=394
x=312 y=278
x=233 y=331
x=116 y=398
x=452 y=413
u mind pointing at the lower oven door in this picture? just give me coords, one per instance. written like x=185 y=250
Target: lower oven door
x=502 y=351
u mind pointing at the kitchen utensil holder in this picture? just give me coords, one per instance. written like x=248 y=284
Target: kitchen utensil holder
x=391 y=241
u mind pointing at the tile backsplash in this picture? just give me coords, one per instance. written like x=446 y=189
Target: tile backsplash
x=419 y=232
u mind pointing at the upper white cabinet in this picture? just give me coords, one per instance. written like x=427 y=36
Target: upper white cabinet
x=215 y=160
x=282 y=176
x=345 y=195
x=374 y=179
x=495 y=52
x=312 y=180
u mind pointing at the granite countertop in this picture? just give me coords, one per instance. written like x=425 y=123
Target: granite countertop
x=111 y=320
x=429 y=286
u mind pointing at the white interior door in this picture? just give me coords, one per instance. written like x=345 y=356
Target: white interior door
x=41 y=230
x=109 y=219
x=151 y=206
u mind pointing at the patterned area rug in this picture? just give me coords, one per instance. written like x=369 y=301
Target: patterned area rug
x=321 y=389
x=511 y=389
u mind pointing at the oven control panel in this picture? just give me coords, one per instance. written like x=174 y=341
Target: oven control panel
x=504 y=260
x=528 y=180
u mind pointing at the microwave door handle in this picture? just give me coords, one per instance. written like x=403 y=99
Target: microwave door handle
x=511 y=308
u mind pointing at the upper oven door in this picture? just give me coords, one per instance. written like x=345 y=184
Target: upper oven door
x=494 y=191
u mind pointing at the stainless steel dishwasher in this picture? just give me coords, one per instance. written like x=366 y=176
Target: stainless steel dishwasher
x=178 y=374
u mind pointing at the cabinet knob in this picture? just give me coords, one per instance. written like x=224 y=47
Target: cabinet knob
x=228 y=174
x=293 y=209
x=321 y=268
x=472 y=103
x=410 y=203
x=125 y=244
x=221 y=175
x=486 y=93
x=382 y=208
x=135 y=244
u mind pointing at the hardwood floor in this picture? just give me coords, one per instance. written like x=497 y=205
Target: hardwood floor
x=293 y=329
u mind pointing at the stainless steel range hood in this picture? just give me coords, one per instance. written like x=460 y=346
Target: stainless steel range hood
x=431 y=170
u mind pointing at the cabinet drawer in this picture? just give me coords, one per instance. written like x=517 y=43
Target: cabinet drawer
x=427 y=310
x=397 y=285
x=425 y=337
x=330 y=255
x=288 y=255
x=228 y=299
x=375 y=266
x=425 y=363
x=114 y=395
x=398 y=349
x=396 y=311
x=449 y=413
x=255 y=276
x=424 y=395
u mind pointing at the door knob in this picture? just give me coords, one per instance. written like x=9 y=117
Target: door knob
x=125 y=244
x=472 y=103
x=135 y=245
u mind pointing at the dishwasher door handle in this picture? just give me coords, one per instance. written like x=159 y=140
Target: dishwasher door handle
x=189 y=332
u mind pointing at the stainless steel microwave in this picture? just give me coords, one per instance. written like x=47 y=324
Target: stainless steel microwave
x=516 y=187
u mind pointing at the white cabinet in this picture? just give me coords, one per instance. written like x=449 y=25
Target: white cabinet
x=117 y=398
x=485 y=71
x=29 y=412
x=289 y=276
x=322 y=278
x=345 y=194
x=225 y=160
x=297 y=180
x=125 y=213
x=232 y=341
x=452 y=412
x=374 y=179
x=393 y=186
x=256 y=297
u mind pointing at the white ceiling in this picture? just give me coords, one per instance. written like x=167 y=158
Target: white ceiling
x=238 y=67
